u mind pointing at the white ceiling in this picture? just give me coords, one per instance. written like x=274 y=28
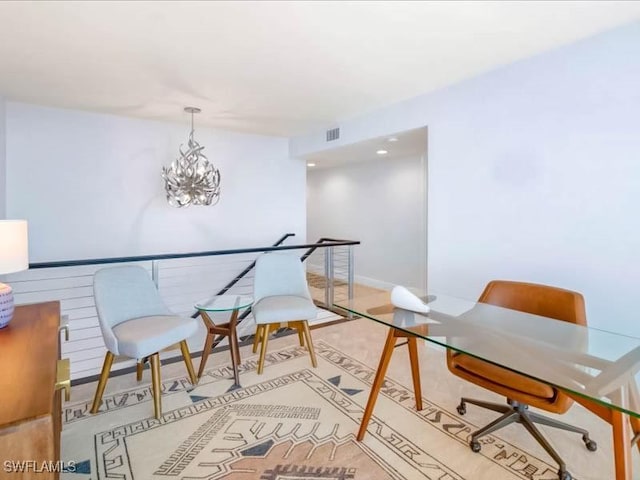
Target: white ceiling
x=279 y=68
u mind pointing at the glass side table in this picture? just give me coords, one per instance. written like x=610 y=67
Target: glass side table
x=222 y=303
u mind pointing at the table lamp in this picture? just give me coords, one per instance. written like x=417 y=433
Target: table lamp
x=14 y=257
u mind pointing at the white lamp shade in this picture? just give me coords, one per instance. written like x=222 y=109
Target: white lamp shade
x=14 y=246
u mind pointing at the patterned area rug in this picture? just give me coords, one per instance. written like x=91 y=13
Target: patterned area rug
x=293 y=422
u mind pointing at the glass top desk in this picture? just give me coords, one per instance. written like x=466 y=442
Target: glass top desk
x=595 y=367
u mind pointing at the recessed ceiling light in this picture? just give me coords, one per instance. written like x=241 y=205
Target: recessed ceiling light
x=311 y=164
x=382 y=152
x=392 y=139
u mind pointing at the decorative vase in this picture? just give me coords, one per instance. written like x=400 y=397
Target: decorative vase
x=6 y=304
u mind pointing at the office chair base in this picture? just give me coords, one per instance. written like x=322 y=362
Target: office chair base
x=516 y=412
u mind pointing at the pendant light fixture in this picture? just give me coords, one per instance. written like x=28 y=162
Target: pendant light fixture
x=191 y=179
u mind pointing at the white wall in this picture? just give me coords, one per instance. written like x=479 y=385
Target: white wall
x=90 y=186
x=378 y=202
x=3 y=162
x=534 y=174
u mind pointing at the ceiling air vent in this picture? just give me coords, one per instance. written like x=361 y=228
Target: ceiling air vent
x=333 y=134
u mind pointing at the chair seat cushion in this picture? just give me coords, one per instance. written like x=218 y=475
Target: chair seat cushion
x=502 y=377
x=283 y=308
x=143 y=336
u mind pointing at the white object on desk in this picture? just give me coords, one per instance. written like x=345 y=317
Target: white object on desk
x=403 y=298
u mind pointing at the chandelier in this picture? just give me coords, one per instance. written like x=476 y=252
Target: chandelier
x=191 y=179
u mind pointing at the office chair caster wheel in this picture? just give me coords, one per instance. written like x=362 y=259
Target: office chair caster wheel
x=462 y=408
x=590 y=444
x=475 y=446
x=564 y=475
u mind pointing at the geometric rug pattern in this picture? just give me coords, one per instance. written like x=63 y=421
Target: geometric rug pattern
x=293 y=422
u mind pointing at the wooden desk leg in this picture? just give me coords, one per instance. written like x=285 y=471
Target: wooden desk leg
x=620 y=427
x=415 y=370
x=377 y=382
x=621 y=438
x=621 y=447
x=208 y=344
x=634 y=405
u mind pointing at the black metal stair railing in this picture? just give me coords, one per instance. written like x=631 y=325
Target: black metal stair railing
x=164 y=256
x=316 y=246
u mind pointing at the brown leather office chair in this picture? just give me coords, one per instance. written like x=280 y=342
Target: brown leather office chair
x=522 y=391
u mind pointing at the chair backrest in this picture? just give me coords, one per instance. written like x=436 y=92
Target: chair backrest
x=279 y=274
x=123 y=293
x=536 y=299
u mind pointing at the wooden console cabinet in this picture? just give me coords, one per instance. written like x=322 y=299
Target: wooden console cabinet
x=30 y=406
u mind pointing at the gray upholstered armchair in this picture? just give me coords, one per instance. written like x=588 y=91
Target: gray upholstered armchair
x=136 y=323
x=281 y=296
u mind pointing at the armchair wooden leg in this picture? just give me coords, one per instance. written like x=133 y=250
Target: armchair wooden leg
x=139 y=369
x=263 y=348
x=297 y=324
x=104 y=376
x=257 y=338
x=307 y=334
x=184 y=347
x=155 y=384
